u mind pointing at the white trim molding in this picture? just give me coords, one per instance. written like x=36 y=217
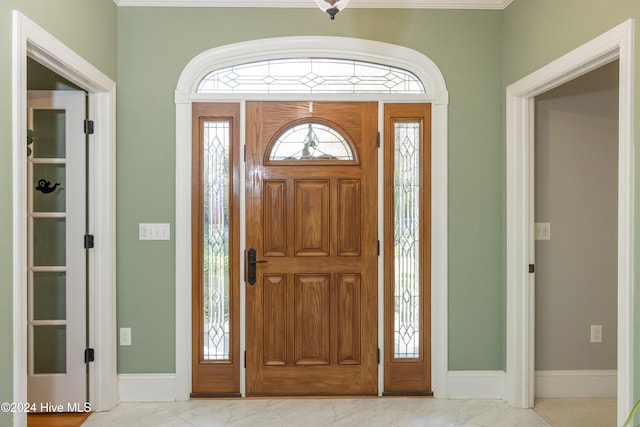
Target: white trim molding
x=371 y=4
x=617 y=43
x=555 y=384
x=332 y=47
x=147 y=387
x=30 y=40
x=476 y=384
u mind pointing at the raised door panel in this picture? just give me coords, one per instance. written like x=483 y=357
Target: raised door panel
x=312 y=309
x=311 y=217
x=274 y=294
x=349 y=218
x=348 y=323
x=275 y=218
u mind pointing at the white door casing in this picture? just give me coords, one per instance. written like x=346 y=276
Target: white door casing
x=69 y=385
x=30 y=40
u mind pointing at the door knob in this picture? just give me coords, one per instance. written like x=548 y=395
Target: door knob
x=251 y=264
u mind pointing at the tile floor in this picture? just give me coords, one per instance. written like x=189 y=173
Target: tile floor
x=373 y=412
x=579 y=412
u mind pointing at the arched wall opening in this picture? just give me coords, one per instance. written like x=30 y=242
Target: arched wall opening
x=303 y=47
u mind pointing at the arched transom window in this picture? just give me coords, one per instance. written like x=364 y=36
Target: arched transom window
x=310 y=75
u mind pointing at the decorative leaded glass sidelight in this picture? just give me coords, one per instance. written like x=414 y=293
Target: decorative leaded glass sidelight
x=310 y=75
x=311 y=141
x=406 y=240
x=216 y=275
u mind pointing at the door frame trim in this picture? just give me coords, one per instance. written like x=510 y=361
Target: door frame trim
x=30 y=40
x=616 y=43
x=322 y=46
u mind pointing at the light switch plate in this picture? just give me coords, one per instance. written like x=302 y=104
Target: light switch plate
x=125 y=336
x=154 y=231
x=543 y=231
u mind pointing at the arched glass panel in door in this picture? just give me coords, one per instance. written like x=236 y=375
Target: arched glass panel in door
x=311 y=141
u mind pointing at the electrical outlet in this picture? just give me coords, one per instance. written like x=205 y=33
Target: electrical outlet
x=596 y=333
x=125 y=336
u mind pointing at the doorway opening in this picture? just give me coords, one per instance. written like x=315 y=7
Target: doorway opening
x=31 y=41
x=305 y=47
x=313 y=248
x=311 y=217
x=615 y=44
x=576 y=172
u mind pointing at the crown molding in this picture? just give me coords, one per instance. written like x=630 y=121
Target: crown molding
x=372 y=4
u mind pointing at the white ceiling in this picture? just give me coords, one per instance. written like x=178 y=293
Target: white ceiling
x=404 y=4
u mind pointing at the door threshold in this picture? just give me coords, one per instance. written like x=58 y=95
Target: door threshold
x=408 y=394
x=203 y=396
x=195 y=396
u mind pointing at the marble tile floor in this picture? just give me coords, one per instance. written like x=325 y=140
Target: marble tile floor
x=330 y=412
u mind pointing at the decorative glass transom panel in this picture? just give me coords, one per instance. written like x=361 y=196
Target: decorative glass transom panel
x=216 y=242
x=311 y=141
x=406 y=240
x=310 y=75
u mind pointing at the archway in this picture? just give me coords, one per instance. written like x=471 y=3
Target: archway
x=295 y=47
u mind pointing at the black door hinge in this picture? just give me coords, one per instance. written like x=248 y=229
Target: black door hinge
x=245 y=359
x=378 y=139
x=245 y=152
x=88 y=241
x=88 y=127
x=89 y=355
x=532 y=268
x=378 y=247
x=378 y=356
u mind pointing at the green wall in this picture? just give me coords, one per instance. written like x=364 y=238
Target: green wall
x=466 y=45
x=536 y=33
x=478 y=52
x=95 y=40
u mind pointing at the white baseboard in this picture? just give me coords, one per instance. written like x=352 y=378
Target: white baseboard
x=461 y=384
x=576 y=383
x=147 y=387
x=476 y=384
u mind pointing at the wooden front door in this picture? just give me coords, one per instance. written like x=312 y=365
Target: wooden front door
x=311 y=197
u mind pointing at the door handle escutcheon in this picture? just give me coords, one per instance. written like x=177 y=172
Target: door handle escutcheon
x=251 y=266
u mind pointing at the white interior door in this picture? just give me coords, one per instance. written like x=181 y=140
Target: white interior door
x=57 y=372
